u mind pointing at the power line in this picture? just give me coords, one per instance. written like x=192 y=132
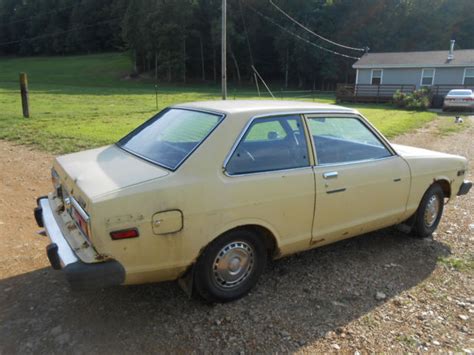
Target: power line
x=314 y=33
x=299 y=37
x=58 y=33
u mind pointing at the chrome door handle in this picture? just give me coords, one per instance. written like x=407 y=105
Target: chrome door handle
x=330 y=175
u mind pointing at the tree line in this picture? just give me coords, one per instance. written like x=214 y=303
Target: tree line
x=179 y=40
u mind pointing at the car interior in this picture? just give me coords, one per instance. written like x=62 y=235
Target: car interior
x=273 y=151
x=290 y=151
x=331 y=150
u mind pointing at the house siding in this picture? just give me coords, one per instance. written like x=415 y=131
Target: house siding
x=446 y=76
x=412 y=76
x=402 y=76
x=364 y=76
x=392 y=76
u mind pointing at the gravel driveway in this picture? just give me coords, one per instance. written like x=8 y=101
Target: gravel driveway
x=383 y=291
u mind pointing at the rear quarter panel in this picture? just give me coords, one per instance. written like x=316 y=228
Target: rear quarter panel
x=199 y=189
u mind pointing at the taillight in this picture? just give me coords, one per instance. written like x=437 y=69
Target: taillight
x=124 y=234
x=80 y=221
x=468 y=99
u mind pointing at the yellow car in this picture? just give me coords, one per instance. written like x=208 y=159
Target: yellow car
x=207 y=192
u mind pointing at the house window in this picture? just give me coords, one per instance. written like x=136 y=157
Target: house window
x=427 y=77
x=469 y=76
x=376 y=76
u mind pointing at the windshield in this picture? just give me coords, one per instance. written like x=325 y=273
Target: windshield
x=171 y=136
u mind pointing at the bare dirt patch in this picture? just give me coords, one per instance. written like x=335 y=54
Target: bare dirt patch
x=383 y=291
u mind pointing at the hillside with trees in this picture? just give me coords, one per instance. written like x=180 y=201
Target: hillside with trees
x=179 y=40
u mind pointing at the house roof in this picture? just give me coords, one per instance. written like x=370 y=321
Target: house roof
x=427 y=59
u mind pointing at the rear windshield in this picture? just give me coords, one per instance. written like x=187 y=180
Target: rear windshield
x=171 y=136
x=460 y=92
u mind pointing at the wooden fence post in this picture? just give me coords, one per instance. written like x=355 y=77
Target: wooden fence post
x=25 y=104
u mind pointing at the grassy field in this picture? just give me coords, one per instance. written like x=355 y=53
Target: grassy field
x=85 y=101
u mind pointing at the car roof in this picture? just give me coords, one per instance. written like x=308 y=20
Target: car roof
x=262 y=107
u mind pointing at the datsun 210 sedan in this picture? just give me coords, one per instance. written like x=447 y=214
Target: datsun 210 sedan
x=208 y=192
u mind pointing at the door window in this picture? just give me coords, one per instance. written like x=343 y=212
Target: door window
x=343 y=140
x=272 y=143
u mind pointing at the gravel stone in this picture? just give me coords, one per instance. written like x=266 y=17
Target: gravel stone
x=56 y=330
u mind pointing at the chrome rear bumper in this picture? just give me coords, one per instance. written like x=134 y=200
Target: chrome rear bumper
x=80 y=275
x=64 y=252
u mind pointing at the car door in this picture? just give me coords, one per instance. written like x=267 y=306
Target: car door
x=270 y=180
x=361 y=184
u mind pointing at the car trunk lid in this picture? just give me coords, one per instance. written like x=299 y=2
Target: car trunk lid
x=104 y=170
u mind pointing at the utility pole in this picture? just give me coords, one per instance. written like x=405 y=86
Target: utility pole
x=224 y=50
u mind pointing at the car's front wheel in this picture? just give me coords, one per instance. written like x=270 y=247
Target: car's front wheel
x=230 y=266
x=429 y=212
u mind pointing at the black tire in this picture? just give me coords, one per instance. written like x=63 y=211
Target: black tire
x=210 y=283
x=426 y=223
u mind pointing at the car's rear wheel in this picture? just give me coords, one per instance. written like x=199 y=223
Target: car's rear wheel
x=230 y=266
x=429 y=212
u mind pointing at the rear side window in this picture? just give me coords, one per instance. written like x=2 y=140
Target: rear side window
x=344 y=140
x=269 y=144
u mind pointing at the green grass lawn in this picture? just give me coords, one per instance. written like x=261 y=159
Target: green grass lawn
x=84 y=101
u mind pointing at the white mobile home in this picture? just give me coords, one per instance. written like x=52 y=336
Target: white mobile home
x=379 y=75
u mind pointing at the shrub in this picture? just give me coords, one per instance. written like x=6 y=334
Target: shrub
x=399 y=98
x=418 y=100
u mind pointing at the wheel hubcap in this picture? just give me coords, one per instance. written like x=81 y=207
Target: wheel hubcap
x=233 y=265
x=432 y=210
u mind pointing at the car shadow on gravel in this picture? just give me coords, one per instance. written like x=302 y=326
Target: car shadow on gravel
x=298 y=300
